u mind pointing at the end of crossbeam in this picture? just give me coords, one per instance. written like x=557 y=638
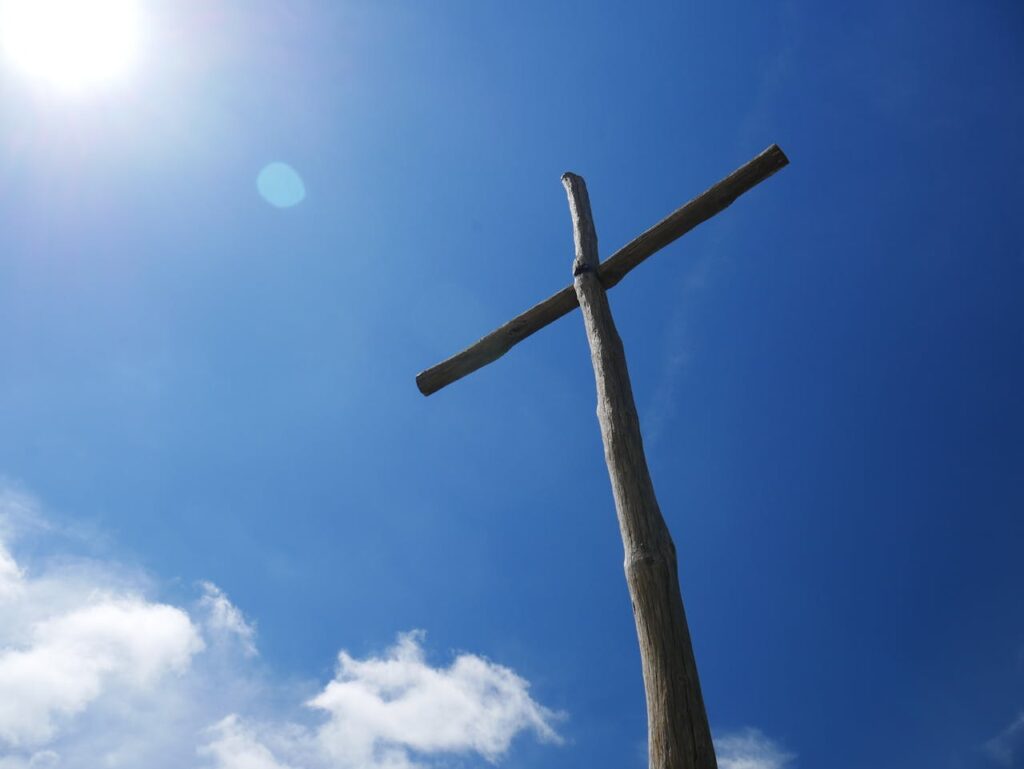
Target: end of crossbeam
x=423 y=385
x=776 y=153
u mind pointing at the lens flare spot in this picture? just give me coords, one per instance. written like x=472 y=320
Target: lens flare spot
x=280 y=185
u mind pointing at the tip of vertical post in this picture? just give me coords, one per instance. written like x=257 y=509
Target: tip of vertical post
x=584 y=234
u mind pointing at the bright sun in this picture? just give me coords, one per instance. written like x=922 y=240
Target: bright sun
x=71 y=44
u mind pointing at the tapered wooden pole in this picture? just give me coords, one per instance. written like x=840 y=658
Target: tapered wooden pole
x=677 y=724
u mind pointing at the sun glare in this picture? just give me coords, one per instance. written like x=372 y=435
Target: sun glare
x=71 y=44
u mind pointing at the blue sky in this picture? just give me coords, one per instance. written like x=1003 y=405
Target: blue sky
x=210 y=431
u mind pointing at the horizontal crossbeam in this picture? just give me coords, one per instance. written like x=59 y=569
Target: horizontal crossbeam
x=611 y=271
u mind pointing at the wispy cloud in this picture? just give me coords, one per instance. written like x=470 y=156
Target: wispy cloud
x=19 y=512
x=224 y=619
x=1007 y=748
x=751 y=749
x=95 y=671
x=661 y=408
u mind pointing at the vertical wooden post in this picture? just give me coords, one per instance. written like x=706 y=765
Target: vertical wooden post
x=677 y=724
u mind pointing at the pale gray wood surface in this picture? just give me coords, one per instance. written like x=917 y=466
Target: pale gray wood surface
x=611 y=271
x=678 y=732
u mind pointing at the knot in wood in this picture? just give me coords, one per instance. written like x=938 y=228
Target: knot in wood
x=580 y=267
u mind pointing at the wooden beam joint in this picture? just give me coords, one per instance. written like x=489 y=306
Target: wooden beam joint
x=610 y=272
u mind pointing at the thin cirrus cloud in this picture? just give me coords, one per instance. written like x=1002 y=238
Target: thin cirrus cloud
x=751 y=749
x=1006 y=749
x=95 y=672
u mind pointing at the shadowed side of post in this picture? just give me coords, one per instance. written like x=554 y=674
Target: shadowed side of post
x=677 y=725
x=611 y=271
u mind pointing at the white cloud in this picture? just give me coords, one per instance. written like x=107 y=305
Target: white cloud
x=18 y=511
x=384 y=709
x=235 y=746
x=95 y=672
x=77 y=657
x=394 y=711
x=69 y=638
x=750 y=749
x=10 y=574
x=1007 y=748
x=225 y=620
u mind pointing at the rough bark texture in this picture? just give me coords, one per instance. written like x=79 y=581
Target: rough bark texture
x=611 y=271
x=678 y=732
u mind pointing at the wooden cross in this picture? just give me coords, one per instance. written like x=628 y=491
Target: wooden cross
x=677 y=724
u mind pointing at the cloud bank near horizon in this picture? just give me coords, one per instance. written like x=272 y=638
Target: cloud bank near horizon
x=94 y=671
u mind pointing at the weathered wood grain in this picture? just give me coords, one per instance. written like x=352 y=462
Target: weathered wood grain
x=611 y=271
x=678 y=732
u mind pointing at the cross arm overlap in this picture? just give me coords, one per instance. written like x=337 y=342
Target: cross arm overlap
x=611 y=271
